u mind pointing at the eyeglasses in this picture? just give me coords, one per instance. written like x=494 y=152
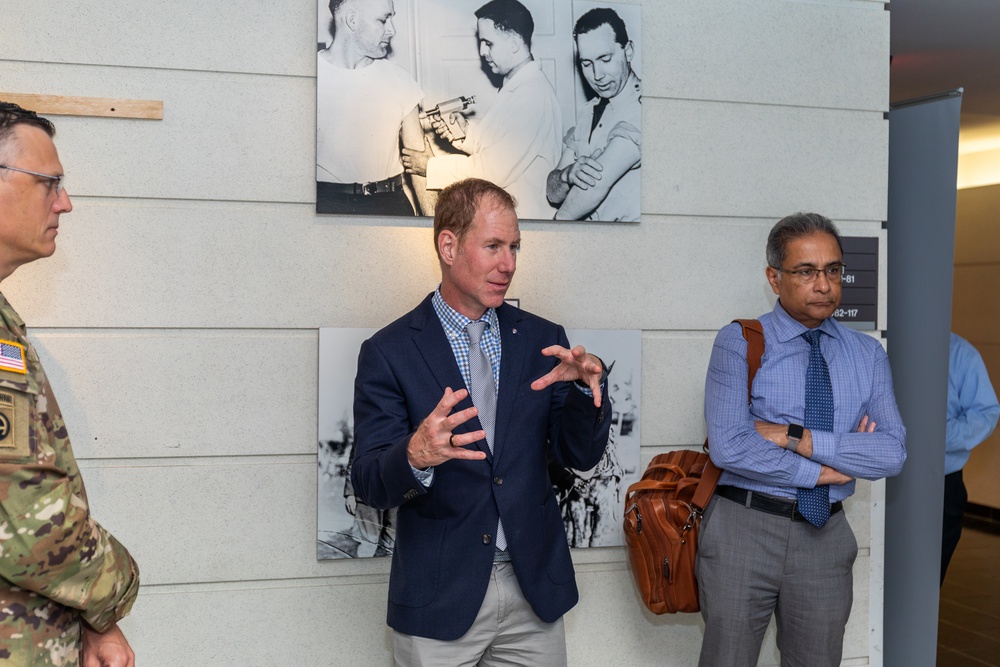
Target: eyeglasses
x=55 y=182
x=833 y=273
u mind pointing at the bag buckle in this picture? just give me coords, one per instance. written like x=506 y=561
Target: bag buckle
x=693 y=517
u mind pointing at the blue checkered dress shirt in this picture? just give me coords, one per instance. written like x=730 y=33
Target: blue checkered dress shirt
x=454 y=324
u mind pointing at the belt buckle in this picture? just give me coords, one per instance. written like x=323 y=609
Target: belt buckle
x=369 y=188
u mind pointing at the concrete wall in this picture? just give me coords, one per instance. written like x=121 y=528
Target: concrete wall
x=194 y=247
x=976 y=316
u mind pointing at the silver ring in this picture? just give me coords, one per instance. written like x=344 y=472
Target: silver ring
x=451 y=440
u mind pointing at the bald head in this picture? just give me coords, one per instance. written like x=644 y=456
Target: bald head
x=362 y=30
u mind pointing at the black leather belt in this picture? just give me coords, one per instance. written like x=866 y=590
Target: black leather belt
x=770 y=504
x=394 y=184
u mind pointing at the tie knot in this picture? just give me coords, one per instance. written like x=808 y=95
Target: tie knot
x=812 y=337
x=475 y=331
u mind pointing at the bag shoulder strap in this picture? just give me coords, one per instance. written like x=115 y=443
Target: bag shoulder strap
x=706 y=487
x=753 y=332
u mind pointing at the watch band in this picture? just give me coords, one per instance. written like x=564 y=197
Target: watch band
x=795 y=433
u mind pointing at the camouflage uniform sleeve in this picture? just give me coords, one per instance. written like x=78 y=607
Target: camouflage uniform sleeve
x=49 y=544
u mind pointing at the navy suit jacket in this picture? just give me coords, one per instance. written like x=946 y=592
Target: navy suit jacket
x=445 y=533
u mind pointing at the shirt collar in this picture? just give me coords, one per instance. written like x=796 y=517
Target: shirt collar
x=454 y=322
x=786 y=327
x=630 y=93
x=9 y=313
x=530 y=68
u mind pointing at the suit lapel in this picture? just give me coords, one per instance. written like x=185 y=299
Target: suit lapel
x=512 y=356
x=433 y=347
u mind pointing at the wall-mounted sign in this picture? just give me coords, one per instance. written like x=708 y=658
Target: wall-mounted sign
x=859 y=303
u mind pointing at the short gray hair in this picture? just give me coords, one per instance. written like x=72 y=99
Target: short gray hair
x=11 y=115
x=796 y=226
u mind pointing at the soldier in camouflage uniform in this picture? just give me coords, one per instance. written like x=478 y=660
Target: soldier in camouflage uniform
x=64 y=580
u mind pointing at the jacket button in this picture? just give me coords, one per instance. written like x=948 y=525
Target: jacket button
x=498 y=481
x=487 y=539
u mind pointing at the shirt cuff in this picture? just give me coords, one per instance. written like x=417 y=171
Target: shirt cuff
x=605 y=370
x=806 y=473
x=425 y=477
x=442 y=170
x=824 y=447
x=587 y=391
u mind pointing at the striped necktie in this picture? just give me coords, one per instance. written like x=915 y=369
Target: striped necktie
x=484 y=395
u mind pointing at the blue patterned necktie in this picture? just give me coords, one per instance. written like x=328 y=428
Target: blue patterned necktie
x=484 y=395
x=814 y=503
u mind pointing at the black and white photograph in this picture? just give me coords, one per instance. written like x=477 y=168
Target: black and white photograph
x=542 y=97
x=591 y=501
x=345 y=527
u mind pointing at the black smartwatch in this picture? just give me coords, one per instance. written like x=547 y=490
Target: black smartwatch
x=795 y=433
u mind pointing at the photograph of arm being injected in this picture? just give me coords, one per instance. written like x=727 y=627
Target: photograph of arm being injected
x=540 y=97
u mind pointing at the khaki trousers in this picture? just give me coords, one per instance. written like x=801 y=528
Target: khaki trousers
x=506 y=632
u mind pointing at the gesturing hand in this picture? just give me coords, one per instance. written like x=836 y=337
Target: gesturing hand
x=575 y=364
x=434 y=443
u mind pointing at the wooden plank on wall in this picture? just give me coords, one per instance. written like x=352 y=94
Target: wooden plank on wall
x=62 y=105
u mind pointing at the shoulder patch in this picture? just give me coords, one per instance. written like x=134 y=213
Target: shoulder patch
x=14 y=437
x=12 y=357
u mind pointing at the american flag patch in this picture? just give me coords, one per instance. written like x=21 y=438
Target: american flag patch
x=12 y=357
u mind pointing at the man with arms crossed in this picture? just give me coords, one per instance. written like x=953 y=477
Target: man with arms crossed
x=66 y=582
x=364 y=106
x=457 y=407
x=775 y=538
x=600 y=171
x=517 y=142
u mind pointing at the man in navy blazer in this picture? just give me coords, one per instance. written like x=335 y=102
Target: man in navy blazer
x=481 y=571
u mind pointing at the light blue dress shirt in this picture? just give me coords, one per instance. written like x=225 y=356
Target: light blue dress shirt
x=862 y=385
x=972 y=404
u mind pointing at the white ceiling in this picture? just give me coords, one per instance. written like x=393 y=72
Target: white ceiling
x=940 y=45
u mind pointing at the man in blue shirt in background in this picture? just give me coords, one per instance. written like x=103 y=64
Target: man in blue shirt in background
x=822 y=413
x=972 y=415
